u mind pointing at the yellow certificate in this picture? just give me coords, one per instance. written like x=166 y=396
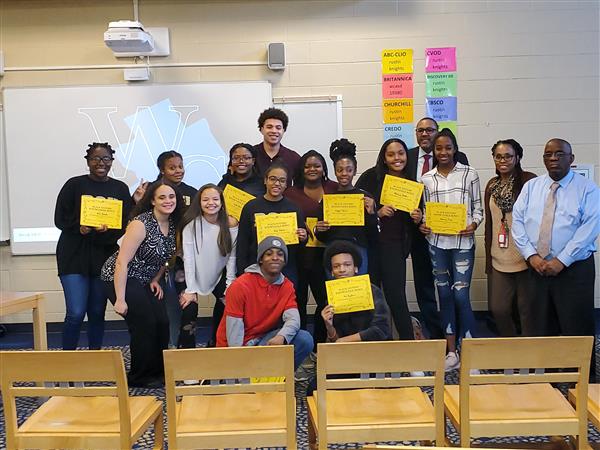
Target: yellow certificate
x=350 y=294
x=235 y=199
x=97 y=211
x=401 y=193
x=267 y=380
x=446 y=218
x=283 y=225
x=344 y=209
x=311 y=223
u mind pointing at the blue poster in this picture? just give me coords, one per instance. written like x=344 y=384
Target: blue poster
x=441 y=109
x=404 y=131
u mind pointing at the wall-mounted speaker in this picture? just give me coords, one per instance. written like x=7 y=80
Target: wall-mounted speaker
x=276 y=56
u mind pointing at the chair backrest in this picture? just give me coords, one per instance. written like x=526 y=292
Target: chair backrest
x=104 y=366
x=234 y=364
x=417 y=447
x=380 y=357
x=560 y=352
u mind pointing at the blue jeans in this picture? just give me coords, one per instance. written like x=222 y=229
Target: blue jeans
x=83 y=295
x=452 y=271
x=302 y=342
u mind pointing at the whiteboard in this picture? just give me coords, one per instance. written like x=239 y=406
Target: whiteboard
x=315 y=122
x=4 y=226
x=48 y=129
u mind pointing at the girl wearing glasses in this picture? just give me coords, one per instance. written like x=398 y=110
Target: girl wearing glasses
x=276 y=180
x=242 y=172
x=505 y=267
x=82 y=249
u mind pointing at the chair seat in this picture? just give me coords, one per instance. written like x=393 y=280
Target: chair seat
x=232 y=412
x=593 y=402
x=88 y=415
x=375 y=406
x=499 y=402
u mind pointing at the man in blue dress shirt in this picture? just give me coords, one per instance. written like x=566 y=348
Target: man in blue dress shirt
x=556 y=221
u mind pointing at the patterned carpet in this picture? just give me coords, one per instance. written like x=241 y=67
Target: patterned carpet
x=27 y=405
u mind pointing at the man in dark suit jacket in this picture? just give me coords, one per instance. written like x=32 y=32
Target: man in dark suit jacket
x=419 y=161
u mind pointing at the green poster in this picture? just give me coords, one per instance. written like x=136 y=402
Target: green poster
x=440 y=84
x=452 y=125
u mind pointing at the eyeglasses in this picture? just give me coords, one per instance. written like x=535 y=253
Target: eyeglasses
x=557 y=155
x=97 y=159
x=275 y=180
x=425 y=130
x=241 y=158
x=507 y=158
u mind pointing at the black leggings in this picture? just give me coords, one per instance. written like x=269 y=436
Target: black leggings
x=315 y=278
x=393 y=276
x=148 y=326
x=189 y=318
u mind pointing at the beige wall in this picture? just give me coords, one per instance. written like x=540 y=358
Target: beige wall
x=526 y=70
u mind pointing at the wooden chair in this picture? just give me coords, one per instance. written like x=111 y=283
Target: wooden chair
x=243 y=414
x=593 y=404
x=520 y=404
x=99 y=416
x=416 y=447
x=360 y=410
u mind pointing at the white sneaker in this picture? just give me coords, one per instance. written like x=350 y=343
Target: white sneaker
x=417 y=373
x=191 y=382
x=474 y=372
x=452 y=361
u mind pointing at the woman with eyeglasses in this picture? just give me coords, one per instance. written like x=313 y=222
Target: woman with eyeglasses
x=276 y=180
x=82 y=249
x=242 y=172
x=505 y=267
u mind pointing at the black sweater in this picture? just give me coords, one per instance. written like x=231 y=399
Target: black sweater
x=253 y=185
x=246 y=241
x=85 y=254
x=364 y=236
x=399 y=227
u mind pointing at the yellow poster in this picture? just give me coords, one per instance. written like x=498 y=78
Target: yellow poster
x=400 y=110
x=344 y=209
x=235 y=199
x=311 y=223
x=350 y=294
x=446 y=218
x=397 y=60
x=283 y=225
x=97 y=211
x=401 y=193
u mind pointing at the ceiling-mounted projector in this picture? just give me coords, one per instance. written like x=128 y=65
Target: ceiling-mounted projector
x=128 y=36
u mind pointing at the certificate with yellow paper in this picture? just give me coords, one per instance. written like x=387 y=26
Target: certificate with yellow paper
x=283 y=225
x=446 y=218
x=97 y=211
x=401 y=193
x=235 y=199
x=344 y=209
x=350 y=294
x=311 y=223
x=267 y=380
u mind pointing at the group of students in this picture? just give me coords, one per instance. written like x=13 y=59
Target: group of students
x=181 y=243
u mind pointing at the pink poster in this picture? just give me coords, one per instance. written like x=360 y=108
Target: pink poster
x=397 y=85
x=441 y=59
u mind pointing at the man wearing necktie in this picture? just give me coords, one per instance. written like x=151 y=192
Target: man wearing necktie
x=556 y=221
x=419 y=160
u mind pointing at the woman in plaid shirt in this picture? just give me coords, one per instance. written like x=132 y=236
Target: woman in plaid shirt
x=453 y=255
